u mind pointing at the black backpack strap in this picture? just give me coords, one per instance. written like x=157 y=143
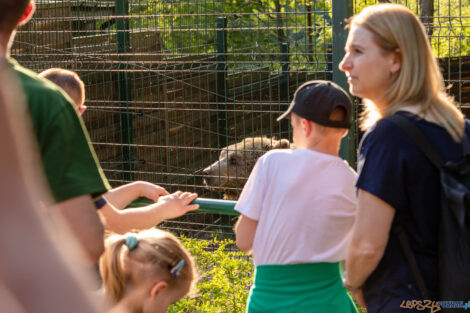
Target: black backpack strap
x=465 y=142
x=419 y=138
x=400 y=233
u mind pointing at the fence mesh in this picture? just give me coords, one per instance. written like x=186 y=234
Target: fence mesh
x=171 y=82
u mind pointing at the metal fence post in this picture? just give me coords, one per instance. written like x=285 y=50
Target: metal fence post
x=284 y=87
x=343 y=9
x=221 y=81
x=123 y=47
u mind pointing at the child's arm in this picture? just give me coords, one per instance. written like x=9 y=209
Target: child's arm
x=245 y=230
x=167 y=207
x=122 y=196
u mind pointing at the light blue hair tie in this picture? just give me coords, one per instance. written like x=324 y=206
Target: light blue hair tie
x=175 y=270
x=131 y=242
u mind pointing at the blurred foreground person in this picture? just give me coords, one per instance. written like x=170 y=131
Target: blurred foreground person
x=35 y=276
x=67 y=160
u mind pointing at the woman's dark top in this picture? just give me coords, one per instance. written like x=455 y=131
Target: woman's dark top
x=392 y=168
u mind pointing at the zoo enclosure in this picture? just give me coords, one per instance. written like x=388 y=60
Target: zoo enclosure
x=170 y=82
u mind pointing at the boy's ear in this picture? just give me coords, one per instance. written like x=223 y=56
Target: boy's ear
x=156 y=288
x=346 y=131
x=27 y=14
x=306 y=126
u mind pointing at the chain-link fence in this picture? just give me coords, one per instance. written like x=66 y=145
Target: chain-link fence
x=171 y=82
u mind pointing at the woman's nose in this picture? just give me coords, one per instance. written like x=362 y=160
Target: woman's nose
x=345 y=64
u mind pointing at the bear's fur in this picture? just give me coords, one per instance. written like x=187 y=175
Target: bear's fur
x=230 y=173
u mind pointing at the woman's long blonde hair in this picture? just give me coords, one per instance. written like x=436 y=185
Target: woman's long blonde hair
x=156 y=252
x=419 y=82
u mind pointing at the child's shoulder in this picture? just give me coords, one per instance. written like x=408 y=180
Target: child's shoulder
x=273 y=160
x=277 y=152
x=275 y=155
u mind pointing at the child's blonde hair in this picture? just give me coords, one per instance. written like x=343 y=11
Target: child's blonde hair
x=133 y=257
x=69 y=81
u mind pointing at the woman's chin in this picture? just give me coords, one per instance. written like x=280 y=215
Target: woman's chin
x=354 y=91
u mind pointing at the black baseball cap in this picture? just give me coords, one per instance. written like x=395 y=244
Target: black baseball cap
x=315 y=100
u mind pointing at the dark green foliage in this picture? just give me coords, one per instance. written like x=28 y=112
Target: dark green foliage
x=225 y=278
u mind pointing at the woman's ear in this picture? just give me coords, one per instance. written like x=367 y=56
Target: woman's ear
x=156 y=288
x=396 y=61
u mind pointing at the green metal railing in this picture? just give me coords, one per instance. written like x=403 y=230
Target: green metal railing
x=225 y=207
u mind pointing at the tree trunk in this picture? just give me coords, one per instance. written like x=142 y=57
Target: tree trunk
x=427 y=12
x=281 y=37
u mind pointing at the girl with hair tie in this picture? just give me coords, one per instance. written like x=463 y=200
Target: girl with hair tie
x=146 y=271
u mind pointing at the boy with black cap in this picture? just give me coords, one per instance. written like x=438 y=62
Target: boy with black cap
x=297 y=209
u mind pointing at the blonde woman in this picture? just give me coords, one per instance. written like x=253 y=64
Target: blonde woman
x=389 y=64
x=146 y=271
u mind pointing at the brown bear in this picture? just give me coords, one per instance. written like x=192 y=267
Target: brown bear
x=230 y=173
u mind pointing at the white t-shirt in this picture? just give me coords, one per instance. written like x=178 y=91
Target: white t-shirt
x=305 y=204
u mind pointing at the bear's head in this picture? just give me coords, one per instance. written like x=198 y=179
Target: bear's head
x=230 y=173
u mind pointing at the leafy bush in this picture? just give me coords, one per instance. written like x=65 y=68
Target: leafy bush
x=226 y=276
x=450 y=25
x=255 y=30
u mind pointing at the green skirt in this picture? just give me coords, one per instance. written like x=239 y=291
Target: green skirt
x=299 y=288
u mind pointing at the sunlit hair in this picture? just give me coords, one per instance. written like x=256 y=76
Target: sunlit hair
x=154 y=255
x=11 y=12
x=69 y=81
x=419 y=82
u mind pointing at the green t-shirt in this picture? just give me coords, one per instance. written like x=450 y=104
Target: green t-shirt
x=70 y=164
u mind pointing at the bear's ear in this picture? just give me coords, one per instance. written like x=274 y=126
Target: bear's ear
x=282 y=144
